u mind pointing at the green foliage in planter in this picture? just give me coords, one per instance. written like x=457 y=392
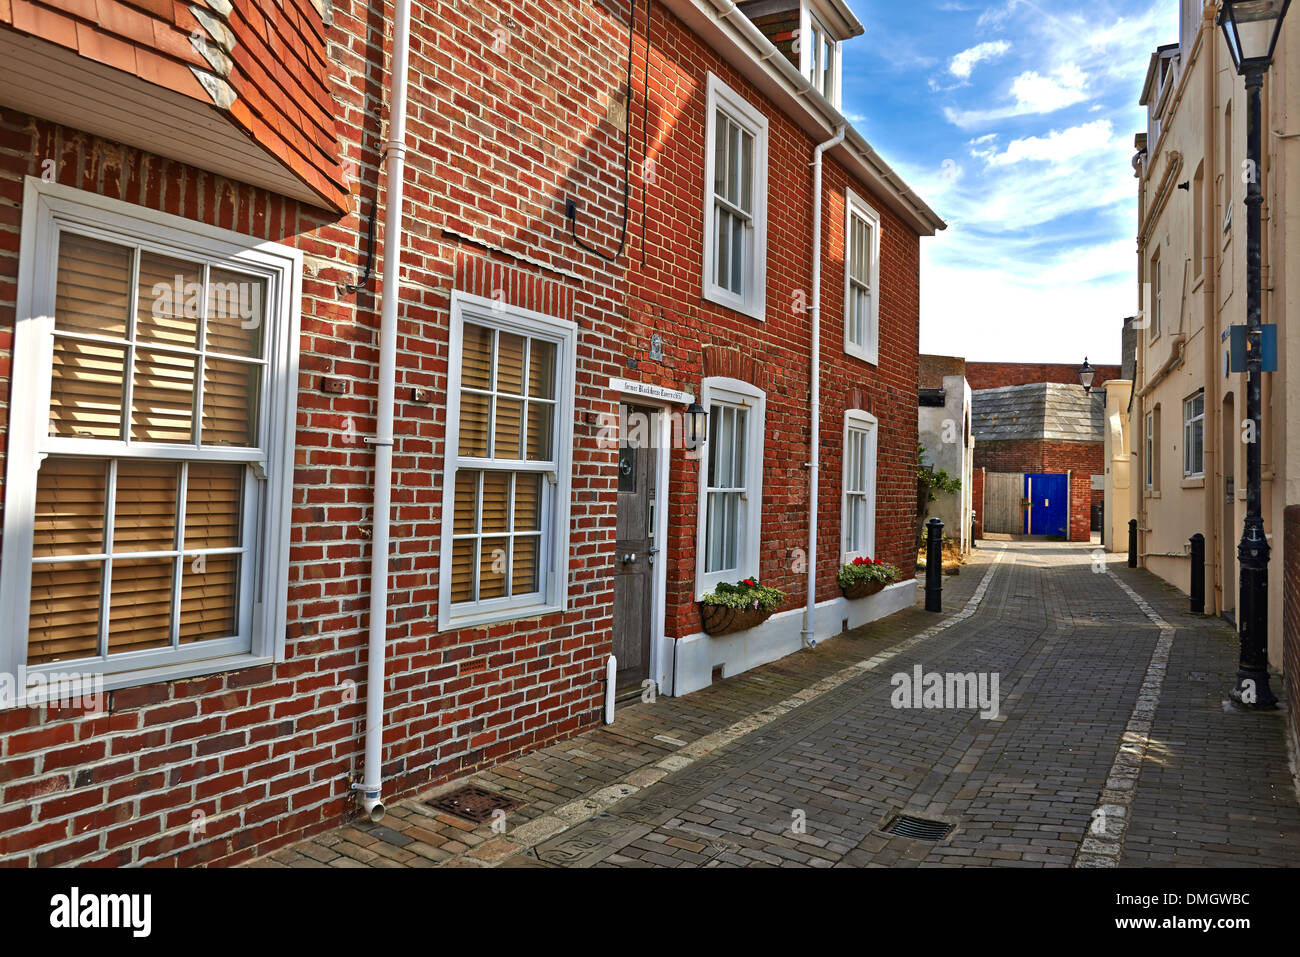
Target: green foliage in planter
x=866 y=570
x=746 y=594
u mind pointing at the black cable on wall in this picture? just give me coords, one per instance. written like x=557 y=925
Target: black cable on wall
x=571 y=205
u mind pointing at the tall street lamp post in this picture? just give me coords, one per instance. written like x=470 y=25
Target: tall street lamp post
x=1251 y=28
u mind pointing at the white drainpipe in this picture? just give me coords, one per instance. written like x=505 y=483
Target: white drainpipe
x=815 y=312
x=371 y=801
x=611 y=676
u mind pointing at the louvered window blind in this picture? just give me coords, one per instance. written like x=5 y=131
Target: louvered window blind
x=144 y=500
x=505 y=466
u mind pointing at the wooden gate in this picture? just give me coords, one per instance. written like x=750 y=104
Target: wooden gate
x=1004 y=503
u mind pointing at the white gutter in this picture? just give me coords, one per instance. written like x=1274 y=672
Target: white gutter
x=815 y=312
x=371 y=801
x=778 y=78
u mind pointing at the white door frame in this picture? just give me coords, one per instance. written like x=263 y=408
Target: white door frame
x=663 y=400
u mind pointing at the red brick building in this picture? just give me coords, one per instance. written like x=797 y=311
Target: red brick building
x=999 y=375
x=1033 y=422
x=199 y=316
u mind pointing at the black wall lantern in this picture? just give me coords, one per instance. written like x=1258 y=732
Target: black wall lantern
x=1086 y=375
x=694 y=422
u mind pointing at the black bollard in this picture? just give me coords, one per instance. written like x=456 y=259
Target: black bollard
x=1198 y=574
x=1132 y=543
x=974 y=522
x=934 y=565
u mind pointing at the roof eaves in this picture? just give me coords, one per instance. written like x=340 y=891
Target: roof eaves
x=745 y=46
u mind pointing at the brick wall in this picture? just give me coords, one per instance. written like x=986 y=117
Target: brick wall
x=995 y=375
x=1031 y=455
x=933 y=370
x=263 y=753
x=1291 y=615
x=1080 y=506
x=703 y=339
x=500 y=135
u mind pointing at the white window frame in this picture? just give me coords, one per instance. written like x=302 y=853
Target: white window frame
x=753 y=300
x=1150 y=450
x=554 y=551
x=869 y=351
x=49 y=208
x=859 y=420
x=738 y=394
x=1189 y=422
x=1156 y=292
x=811 y=23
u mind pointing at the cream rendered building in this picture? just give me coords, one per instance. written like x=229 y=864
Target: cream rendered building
x=1187 y=409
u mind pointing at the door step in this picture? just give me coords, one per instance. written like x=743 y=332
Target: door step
x=628 y=693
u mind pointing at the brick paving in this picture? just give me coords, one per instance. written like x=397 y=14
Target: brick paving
x=801 y=762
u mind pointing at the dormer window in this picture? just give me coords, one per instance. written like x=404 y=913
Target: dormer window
x=809 y=34
x=820 y=56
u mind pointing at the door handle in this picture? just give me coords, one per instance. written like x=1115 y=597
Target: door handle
x=650 y=555
x=629 y=558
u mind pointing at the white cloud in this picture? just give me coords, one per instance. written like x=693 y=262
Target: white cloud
x=1060 y=314
x=1057 y=146
x=1038 y=262
x=966 y=61
x=1046 y=94
x=1033 y=93
x=994 y=17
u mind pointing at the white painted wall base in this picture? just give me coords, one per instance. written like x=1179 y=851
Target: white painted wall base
x=697 y=655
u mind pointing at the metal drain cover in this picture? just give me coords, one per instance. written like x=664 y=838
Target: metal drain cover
x=474 y=803
x=918 y=828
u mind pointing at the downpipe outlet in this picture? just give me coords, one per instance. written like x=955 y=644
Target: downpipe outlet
x=372 y=804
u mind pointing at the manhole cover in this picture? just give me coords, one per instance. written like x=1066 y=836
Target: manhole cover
x=918 y=828
x=473 y=803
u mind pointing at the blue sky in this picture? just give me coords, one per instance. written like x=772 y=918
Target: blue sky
x=1014 y=120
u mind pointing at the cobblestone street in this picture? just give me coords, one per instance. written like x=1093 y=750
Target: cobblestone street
x=1112 y=745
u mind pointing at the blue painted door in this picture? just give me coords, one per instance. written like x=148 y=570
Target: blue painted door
x=1048 y=512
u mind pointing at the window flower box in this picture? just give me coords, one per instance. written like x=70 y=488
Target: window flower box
x=864 y=577
x=731 y=608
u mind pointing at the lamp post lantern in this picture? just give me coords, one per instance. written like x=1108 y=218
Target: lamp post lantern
x=1086 y=375
x=1251 y=28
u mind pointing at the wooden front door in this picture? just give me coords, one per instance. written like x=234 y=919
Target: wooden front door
x=635 y=555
